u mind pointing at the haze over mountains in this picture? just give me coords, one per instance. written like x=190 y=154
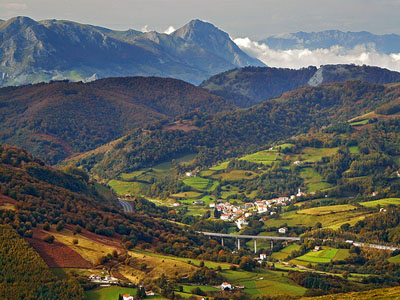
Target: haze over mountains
x=51 y=50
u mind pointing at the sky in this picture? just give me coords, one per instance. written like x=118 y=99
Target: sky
x=255 y=19
x=246 y=21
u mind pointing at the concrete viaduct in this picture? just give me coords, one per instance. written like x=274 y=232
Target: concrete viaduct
x=252 y=237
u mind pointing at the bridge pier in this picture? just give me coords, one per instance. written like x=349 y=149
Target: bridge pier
x=222 y=242
x=255 y=245
x=238 y=244
x=272 y=244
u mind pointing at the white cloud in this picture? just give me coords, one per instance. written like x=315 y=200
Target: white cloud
x=145 y=28
x=14 y=6
x=170 y=30
x=298 y=58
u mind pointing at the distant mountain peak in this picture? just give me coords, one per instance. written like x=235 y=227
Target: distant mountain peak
x=213 y=39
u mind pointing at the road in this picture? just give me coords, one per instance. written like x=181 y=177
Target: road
x=259 y=237
x=126 y=206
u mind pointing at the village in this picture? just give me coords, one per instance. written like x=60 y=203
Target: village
x=239 y=214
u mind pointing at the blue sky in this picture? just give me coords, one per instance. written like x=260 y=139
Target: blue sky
x=251 y=18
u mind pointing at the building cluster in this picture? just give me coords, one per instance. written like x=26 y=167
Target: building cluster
x=103 y=279
x=239 y=214
x=130 y=297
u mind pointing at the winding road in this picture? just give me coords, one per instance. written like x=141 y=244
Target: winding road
x=126 y=206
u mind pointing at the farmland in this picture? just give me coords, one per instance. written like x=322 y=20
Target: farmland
x=326 y=255
x=313 y=180
x=285 y=252
x=264 y=282
x=381 y=202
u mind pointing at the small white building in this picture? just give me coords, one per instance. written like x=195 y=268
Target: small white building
x=282 y=230
x=225 y=217
x=226 y=286
x=263 y=256
x=317 y=248
x=127 y=297
x=212 y=205
x=189 y=174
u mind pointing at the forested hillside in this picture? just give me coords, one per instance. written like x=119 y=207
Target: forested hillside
x=250 y=85
x=24 y=275
x=56 y=120
x=231 y=134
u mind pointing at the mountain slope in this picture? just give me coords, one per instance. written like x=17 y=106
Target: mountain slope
x=33 y=52
x=251 y=85
x=387 y=43
x=58 y=119
x=216 y=41
x=233 y=133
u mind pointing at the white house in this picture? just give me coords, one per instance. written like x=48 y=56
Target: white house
x=283 y=230
x=189 y=174
x=212 y=205
x=263 y=256
x=127 y=297
x=226 y=286
x=225 y=217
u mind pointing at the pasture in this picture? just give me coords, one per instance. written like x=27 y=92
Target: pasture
x=266 y=157
x=220 y=167
x=201 y=184
x=381 y=202
x=285 y=252
x=112 y=293
x=326 y=255
x=235 y=175
x=264 y=283
x=334 y=220
x=310 y=154
x=313 y=180
x=324 y=210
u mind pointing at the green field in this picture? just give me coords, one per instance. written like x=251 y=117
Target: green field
x=354 y=150
x=359 y=123
x=313 y=180
x=201 y=184
x=324 y=210
x=264 y=283
x=381 y=202
x=235 y=175
x=395 y=259
x=264 y=157
x=310 y=154
x=333 y=221
x=195 y=262
x=285 y=252
x=112 y=293
x=326 y=255
x=220 y=167
x=187 y=195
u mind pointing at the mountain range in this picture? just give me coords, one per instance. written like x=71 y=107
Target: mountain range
x=250 y=85
x=386 y=43
x=32 y=52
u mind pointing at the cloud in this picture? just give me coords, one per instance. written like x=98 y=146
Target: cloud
x=298 y=58
x=170 y=30
x=145 y=28
x=14 y=6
